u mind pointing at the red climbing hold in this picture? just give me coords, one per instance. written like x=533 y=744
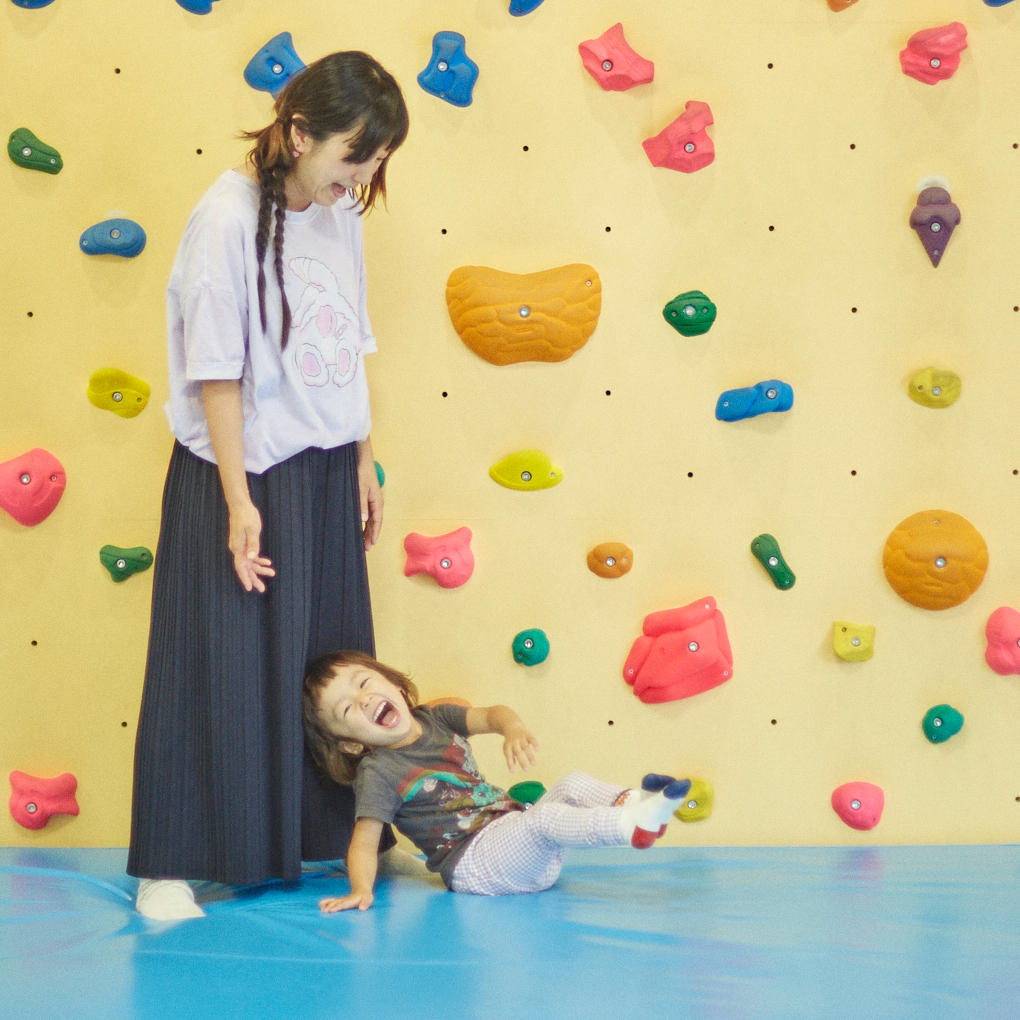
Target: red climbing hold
x=684 y=145
x=448 y=558
x=34 y=800
x=1003 y=635
x=859 y=804
x=933 y=55
x=31 y=486
x=682 y=652
x=613 y=64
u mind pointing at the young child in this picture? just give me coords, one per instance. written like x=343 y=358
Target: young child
x=412 y=765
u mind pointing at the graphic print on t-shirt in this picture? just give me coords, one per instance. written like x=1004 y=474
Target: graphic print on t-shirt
x=460 y=790
x=328 y=338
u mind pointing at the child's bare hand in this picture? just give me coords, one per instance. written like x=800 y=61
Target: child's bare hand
x=362 y=901
x=519 y=747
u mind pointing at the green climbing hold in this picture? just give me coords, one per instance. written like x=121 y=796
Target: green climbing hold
x=690 y=313
x=380 y=474
x=122 y=563
x=527 y=792
x=531 y=647
x=766 y=551
x=26 y=150
x=940 y=723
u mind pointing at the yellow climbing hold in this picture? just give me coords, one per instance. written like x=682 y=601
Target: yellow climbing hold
x=698 y=803
x=114 y=390
x=934 y=387
x=526 y=469
x=854 y=642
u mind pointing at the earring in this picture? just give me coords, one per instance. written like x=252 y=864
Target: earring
x=296 y=154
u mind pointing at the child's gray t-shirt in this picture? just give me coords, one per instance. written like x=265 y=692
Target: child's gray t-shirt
x=432 y=789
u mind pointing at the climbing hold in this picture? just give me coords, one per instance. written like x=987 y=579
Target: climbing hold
x=451 y=74
x=31 y=486
x=933 y=55
x=26 y=150
x=998 y=3
x=698 y=803
x=1002 y=632
x=509 y=317
x=34 y=801
x=274 y=65
x=935 y=559
x=772 y=395
x=690 y=313
x=527 y=792
x=448 y=558
x=681 y=652
x=380 y=474
x=610 y=559
x=766 y=551
x=531 y=647
x=122 y=563
x=117 y=391
x=197 y=6
x=526 y=469
x=934 y=387
x=935 y=217
x=612 y=63
x=32 y=5
x=684 y=145
x=518 y=8
x=113 y=237
x=840 y=5
x=853 y=642
x=859 y=804
x=940 y=723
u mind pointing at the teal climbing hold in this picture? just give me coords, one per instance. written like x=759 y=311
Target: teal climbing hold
x=690 y=313
x=28 y=151
x=527 y=792
x=766 y=551
x=531 y=647
x=122 y=563
x=940 y=723
x=380 y=474
x=113 y=237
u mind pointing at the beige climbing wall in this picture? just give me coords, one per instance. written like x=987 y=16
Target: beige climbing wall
x=818 y=135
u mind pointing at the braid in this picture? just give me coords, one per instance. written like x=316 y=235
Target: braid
x=262 y=236
x=280 y=198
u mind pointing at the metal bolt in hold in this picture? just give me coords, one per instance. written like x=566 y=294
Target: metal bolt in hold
x=445 y=564
x=771 y=394
x=31 y=809
x=53 y=161
x=115 y=234
x=936 y=391
x=689 y=147
x=856 y=805
x=277 y=68
x=525 y=476
x=607 y=65
x=692 y=646
x=936 y=721
x=587 y=283
x=528 y=643
x=117 y=396
x=773 y=561
x=935 y=62
x=690 y=311
x=855 y=641
x=121 y=564
x=443 y=65
x=610 y=562
x=26 y=151
x=936 y=227
x=26 y=478
x=525 y=311
x=692 y=804
x=940 y=562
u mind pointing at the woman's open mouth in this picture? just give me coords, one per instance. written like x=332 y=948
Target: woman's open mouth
x=385 y=715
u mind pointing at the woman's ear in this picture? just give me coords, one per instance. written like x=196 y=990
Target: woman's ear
x=298 y=139
x=351 y=747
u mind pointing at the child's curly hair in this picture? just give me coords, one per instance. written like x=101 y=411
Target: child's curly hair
x=324 y=745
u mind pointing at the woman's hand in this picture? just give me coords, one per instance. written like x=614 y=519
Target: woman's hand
x=519 y=746
x=243 y=542
x=371 y=494
x=361 y=900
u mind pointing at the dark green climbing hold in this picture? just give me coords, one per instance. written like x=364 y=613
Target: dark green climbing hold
x=26 y=150
x=531 y=647
x=527 y=792
x=122 y=563
x=766 y=551
x=940 y=723
x=380 y=474
x=690 y=313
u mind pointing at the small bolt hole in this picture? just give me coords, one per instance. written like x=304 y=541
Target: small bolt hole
x=608 y=229
x=116 y=70
x=609 y=393
x=525 y=148
x=772 y=228
x=853 y=472
x=854 y=310
x=852 y=146
x=123 y=724
x=34 y=643
x=198 y=152
x=773 y=722
x=611 y=723
x=1016 y=145
x=444 y=230
x=770 y=67
x=445 y=393
x=690 y=474
x=30 y=315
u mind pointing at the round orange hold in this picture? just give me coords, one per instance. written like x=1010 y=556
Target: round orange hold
x=935 y=559
x=610 y=559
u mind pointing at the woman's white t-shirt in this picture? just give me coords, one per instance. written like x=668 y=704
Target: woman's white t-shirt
x=314 y=392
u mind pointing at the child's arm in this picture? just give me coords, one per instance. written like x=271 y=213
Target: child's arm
x=362 y=861
x=519 y=746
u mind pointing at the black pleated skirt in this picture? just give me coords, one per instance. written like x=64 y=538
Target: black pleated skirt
x=224 y=789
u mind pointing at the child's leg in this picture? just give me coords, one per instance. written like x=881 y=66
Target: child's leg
x=581 y=790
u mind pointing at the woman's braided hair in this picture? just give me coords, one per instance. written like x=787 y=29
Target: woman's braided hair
x=341 y=92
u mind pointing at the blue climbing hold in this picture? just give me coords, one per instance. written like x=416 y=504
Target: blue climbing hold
x=518 y=8
x=197 y=6
x=274 y=65
x=32 y=4
x=451 y=74
x=997 y=3
x=380 y=474
x=773 y=395
x=113 y=237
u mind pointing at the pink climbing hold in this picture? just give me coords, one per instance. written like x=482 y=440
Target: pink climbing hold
x=448 y=558
x=1003 y=635
x=613 y=64
x=859 y=804
x=684 y=145
x=31 y=486
x=681 y=652
x=35 y=800
x=933 y=55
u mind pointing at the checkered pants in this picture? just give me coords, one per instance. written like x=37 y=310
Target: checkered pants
x=522 y=852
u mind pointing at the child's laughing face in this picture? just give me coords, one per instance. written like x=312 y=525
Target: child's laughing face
x=364 y=708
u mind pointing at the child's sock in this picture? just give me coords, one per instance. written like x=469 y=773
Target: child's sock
x=166 y=899
x=645 y=820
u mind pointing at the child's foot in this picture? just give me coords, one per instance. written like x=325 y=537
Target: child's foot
x=650 y=816
x=166 y=899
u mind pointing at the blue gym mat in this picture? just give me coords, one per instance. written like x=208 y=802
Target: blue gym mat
x=816 y=933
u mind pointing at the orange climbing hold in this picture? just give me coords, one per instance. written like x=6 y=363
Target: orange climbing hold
x=610 y=559
x=840 y=5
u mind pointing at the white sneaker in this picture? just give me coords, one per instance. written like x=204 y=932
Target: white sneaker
x=166 y=899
